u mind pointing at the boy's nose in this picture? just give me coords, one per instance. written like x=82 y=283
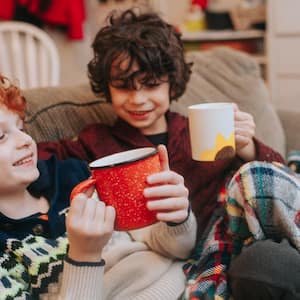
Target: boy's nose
x=138 y=97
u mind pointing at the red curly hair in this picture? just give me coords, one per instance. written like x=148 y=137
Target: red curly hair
x=11 y=98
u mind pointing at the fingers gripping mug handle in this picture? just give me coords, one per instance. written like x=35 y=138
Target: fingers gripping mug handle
x=82 y=187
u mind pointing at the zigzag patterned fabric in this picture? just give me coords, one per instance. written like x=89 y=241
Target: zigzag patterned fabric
x=31 y=265
x=262 y=202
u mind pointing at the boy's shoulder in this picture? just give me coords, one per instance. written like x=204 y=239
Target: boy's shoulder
x=98 y=127
x=176 y=118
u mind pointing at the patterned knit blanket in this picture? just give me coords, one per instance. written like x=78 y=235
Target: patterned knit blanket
x=261 y=201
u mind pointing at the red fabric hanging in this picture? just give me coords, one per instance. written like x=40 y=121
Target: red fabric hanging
x=7 y=9
x=69 y=13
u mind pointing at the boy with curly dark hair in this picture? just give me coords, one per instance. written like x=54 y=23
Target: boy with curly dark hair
x=139 y=66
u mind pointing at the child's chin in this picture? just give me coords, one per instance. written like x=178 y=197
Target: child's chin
x=37 y=174
x=33 y=175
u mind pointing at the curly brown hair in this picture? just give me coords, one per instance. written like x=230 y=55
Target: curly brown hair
x=142 y=38
x=11 y=98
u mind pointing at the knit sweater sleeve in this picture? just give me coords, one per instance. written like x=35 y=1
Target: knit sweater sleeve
x=79 y=281
x=171 y=241
x=12 y=284
x=85 y=146
x=262 y=153
x=63 y=149
x=265 y=153
x=82 y=280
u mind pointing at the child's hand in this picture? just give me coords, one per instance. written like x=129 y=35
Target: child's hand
x=244 y=133
x=167 y=194
x=89 y=225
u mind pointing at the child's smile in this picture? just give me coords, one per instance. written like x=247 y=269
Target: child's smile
x=27 y=160
x=140 y=115
x=18 y=154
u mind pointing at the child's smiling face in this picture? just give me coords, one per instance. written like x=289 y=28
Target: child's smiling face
x=144 y=105
x=18 y=153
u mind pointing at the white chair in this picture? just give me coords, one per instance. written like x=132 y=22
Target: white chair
x=28 y=55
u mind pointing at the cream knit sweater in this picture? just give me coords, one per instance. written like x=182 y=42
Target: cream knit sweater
x=144 y=264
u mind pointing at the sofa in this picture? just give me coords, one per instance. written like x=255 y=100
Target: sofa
x=220 y=74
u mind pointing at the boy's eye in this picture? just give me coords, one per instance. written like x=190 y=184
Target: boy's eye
x=120 y=85
x=152 y=84
x=2 y=136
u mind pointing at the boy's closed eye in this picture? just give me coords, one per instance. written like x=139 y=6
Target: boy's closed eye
x=152 y=85
x=5 y=131
x=131 y=84
x=120 y=85
x=2 y=136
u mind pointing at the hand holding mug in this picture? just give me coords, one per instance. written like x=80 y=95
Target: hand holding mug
x=244 y=133
x=90 y=224
x=166 y=193
x=120 y=180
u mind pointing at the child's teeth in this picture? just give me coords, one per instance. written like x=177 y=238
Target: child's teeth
x=23 y=161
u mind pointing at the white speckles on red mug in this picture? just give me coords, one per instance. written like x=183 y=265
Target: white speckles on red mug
x=120 y=180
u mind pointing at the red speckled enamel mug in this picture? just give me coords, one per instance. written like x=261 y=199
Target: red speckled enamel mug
x=120 y=180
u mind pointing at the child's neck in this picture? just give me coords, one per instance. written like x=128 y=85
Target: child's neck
x=21 y=204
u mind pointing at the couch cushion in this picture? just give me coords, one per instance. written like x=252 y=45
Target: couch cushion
x=61 y=112
x=223 y=74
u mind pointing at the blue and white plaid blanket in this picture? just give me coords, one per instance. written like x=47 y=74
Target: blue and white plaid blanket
x=262 y=201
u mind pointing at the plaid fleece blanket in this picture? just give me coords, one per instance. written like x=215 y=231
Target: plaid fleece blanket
x=261 y=201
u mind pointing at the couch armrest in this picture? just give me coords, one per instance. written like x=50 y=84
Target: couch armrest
x=290 y=123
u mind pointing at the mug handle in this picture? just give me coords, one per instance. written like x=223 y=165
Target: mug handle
x=82 y=187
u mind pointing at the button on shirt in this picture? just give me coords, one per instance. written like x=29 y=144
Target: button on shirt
x=38 y=229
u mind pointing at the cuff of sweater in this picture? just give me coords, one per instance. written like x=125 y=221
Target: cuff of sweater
x=82 y=280
x=186 y=226
x=265 y=153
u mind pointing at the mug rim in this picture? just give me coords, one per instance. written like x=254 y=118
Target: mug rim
x=211 y=105
x=150 y=151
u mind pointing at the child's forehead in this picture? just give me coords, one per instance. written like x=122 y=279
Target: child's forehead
x=124 y=63
x=126 y=68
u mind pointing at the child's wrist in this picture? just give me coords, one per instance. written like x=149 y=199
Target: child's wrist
x=81 y=262
x=179 y=223
x=248 y=152
x=84 y=257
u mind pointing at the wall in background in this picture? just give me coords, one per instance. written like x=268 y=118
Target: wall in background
x=174 y=11
x=75 y=55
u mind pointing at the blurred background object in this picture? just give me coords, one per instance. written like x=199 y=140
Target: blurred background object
x=248 y=14
x=29 y=55
x=195 y=19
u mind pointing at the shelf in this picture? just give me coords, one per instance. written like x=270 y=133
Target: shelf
x=222 y=35
x=249 y=41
